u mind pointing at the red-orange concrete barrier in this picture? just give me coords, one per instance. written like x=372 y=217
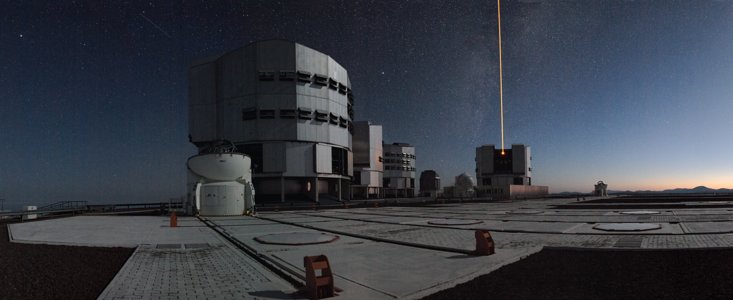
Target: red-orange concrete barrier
x=484 y=243
x=174 y=219
x=318 y=277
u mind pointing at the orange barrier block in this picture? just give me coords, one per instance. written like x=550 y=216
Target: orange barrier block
x=318 y=286
x=174 y=219
x=484 y=243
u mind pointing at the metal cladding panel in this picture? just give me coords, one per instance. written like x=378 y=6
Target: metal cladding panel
x=202 y=84
x=485 y=160
x=350 y=163
x=222 y=199
x=202 y=122
x=273 y=157
x=309 y=60
x=519 y=159
x=273 y=56
x=299 y=159
x=361 y=143
x=229 y=119
x=276 y=128
x=323 y=159
x=376 y=152
x=231 y=72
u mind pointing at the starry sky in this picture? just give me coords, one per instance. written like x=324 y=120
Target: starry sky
x=93 y=94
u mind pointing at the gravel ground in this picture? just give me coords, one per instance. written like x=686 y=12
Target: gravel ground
x=606 y=274
x=56 y=272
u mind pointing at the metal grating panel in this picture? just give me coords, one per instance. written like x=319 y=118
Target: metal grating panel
x=633 y=241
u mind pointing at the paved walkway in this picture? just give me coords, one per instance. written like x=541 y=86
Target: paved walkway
x=194 y=271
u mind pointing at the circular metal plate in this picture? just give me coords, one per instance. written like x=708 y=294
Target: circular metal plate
x=296 y=238
x=627 y=226
x=640 y=212
x=454 y=222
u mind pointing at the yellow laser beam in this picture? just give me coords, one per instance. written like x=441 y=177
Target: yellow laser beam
x=501 y=74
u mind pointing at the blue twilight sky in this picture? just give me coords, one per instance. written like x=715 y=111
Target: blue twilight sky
x=639 y=94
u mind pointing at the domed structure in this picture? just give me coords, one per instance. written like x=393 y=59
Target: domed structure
x=464 y=186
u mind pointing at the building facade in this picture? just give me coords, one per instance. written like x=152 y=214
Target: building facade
x=288 y=107
x=504 y=173
x=399 y=170
x=429 y=183
x=368 y=161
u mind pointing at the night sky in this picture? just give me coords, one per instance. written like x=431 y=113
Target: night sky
x=93 y=96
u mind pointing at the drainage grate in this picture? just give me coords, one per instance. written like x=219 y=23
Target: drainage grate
x=633 y=241
x=168 y=246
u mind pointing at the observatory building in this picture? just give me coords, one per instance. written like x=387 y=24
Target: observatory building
x=368 y=161
x=429 y=183
x=399 y=170
x=505 y=173
x=287 y=107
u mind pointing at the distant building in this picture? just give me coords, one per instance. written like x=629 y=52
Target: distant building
x=368 y=165
x=506 y=173
x=464 y=187
x=600 y=189
x=286 y=106
x=399 y=170
x=429 y=183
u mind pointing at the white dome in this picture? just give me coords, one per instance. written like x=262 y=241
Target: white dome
x=220 y=166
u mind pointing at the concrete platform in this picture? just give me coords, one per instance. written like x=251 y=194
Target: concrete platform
x=381 y=253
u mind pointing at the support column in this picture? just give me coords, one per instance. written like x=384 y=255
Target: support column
x=315 y=189
x=282 y=189
x=339 y=187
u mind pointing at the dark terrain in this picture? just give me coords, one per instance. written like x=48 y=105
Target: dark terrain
x=606 y=274
x=56 y=272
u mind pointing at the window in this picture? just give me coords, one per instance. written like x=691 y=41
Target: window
x=342 y=89
x=321 y=116
x=518 y=180
x=249 y=113
x=333 y=84
x=304 y=113
x=339 y=161
x=333 y=119
x=304 y=76
x=320 y=79
x=287 y=114
x=343 y=122
x=286 y=75
x=486 y=181
x=267 y=113
x=267 y=75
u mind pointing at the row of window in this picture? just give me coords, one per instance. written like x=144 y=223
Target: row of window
x=407 y=155
x=306 y=77
x=399 y=168
x=397 y=161
x=301 y=113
